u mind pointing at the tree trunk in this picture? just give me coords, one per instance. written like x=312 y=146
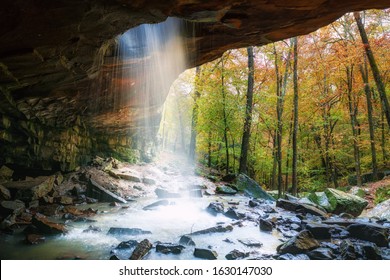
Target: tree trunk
x=281 y=92
x=352 y=106
x=374 y=67
x=248 y=114
x=192 y=148
x=225 y=122
x=295 y=122
x=367 y=91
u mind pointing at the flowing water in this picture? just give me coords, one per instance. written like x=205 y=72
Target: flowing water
x=168 y=223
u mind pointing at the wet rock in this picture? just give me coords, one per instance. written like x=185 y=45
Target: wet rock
x=92 y=229
x=214 y=208
x=385 y=253
x=251 y=242
x=8 y=207
x=251 y=188
x=225 y=190
x=50 y=210
x=236 y=254
x=141 y=250
x=300 y=208
x=205 y=254
x=339 y=232
x=186 y=240
x=45 y=226
x=127 y=244
x=344 y=202
x=215 y=229
x=114 y=258
x=7 y=223
x=295 y=227
x=234 y=214
x=34 y=239
x=148 y=181
x=162 y=193
x=371 y=251
x=4 y=193
x=253 y=203
x=382 y=210
x=321 y=254
x=169 y=248
x=370 y=232
x=96 y=190
x=301 y=243
x=289 y=256
x=127 y=231
x=319 y=231
x=265 y=225
x=347 y=250
x=156 y=204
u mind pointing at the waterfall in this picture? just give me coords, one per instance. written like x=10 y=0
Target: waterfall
x=150 y=57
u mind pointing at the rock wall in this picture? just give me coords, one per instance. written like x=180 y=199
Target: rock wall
x=56 y=109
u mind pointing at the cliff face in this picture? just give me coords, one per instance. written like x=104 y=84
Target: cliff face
x=55 y=59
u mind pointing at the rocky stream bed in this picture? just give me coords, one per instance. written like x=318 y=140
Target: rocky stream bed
x=113 y=210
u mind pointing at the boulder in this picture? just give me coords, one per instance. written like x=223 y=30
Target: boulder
x=236 y=254
x=214 y=208
x=251 y=188
x=265 y=225
x=321 y=254
x=128 y=176
x=319 y=230
x=234 y=214
x=186 y=240
x=225 y=190
x=215 y=229
x=344 y=202
x=251 y=242
x=127 y=244
x=381 y=211
x=205 y=254
x=127 y=231
x=300 y=208
x=46 y=226
x=97 y=190
x=169 y=248
x=141 y=250
x=4 y=193
x=320 y=199
x=370 y=232
x=33 y=188
x=301 y=243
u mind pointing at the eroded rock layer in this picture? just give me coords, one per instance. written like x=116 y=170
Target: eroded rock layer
x=55 y=57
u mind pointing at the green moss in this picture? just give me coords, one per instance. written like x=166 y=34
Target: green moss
x=382 y=194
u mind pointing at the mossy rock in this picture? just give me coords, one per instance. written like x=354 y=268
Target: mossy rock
x=251 y=188
x=341 y=202
x=320 y=199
